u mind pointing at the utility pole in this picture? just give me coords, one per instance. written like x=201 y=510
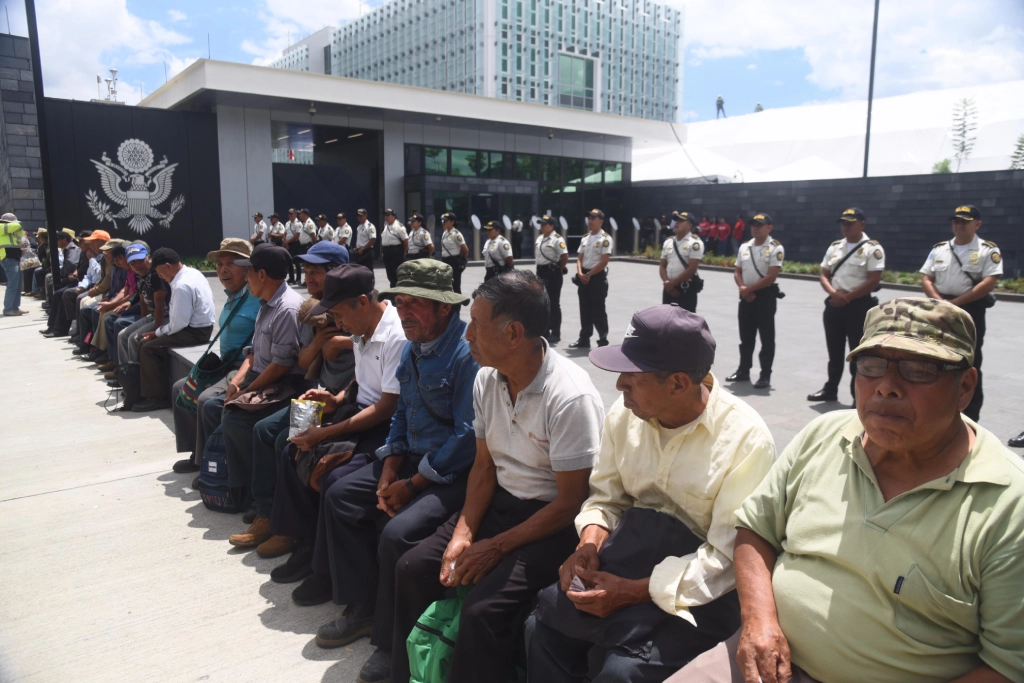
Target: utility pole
x=44 y=144
x=871 y=90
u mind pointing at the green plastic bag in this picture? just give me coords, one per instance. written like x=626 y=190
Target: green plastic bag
x=432 y=641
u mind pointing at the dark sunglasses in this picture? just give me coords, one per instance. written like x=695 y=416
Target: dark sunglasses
x=916 y=371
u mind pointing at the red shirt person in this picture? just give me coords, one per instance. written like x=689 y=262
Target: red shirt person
x=739 y=229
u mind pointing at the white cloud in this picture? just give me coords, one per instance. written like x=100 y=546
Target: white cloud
x=690 y=115
x=751 y=66
x=283 y=26
x=921 y=43
x=176 y=15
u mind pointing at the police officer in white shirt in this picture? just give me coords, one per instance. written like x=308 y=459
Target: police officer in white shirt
x=592 y=281
x=515 y=236
x=681 y=255
x=497 y=252
x=366 y=236
x=850 y=272
x=454 y=249
x=394 y=245
x=324 y=231
x=343 y=233
x=758 y=264
x=964 y=271
x=276 y=231
x=420 y=243
x=293 y=228
x=259 y=229
x=552 y=257
x=305 y=228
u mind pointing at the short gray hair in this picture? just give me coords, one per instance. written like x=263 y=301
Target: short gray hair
x=696 y=376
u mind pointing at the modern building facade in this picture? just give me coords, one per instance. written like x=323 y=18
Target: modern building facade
x=312 y=53
x=613 y=56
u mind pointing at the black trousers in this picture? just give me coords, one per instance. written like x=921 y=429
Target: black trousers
x=843 y=326
x=456 y=263
x=296 y=249
x=592 y=298
x=490 y=622
x=394 y=256
x=364 y=545
x=687 y=300
x=552 y=278
x=758 y=317
x=557 y=658
x=366 y=259
x=62 y=312
x=976 y=310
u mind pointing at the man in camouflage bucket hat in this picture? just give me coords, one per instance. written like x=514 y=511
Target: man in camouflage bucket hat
x=884 y=544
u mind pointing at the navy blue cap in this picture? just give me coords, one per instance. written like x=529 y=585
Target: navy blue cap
x=344 y=282
x=326 y=252
x=665 y=338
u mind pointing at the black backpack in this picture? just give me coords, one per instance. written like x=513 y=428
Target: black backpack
x=131 y=384
x=214 y=488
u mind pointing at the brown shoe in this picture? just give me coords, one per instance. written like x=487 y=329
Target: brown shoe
x=107 y=367
x=110 y=375
x=276 y=546
x=258 y=532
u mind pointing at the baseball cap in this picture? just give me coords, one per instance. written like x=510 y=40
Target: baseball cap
x=97 y=236
x=492 y=225
x=257 y=215
x=967 y=212
x=763 y=218
x=324 y=252
x=415 y=217
x=926 y=327
x=853 y=214
x=681 y=216
x=361 y=212
x=341 y=215
x=136 y=252
x=305 y=211
x=595 y=213
x=321 y=217
x=231 y=245
x=268 y=257
x=344 y=282
x=273 y=215
x=161 y=257
x=427 y=279
x=546 y=220
x=665 y=338
x=448 y=216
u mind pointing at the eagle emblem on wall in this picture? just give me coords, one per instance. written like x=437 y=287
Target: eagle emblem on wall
x=137 y=186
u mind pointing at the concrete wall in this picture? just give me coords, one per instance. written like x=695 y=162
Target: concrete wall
x=907 y=214
x=243 y=142
x=21 y=175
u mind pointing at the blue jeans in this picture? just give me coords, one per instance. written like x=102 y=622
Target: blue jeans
x=12 y=298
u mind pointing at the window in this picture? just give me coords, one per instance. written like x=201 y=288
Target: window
x=465 y=162
x=435 y=160
x=526 y=167
x=592 y=172
x=575 y=82
x=413 y=157
x=573 y=174
x=612 y=173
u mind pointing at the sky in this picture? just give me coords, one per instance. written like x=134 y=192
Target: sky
x=749 y=51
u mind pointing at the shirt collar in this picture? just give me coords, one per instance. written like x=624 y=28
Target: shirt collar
x=440 y=345
x=708 y=416
x=974 y=244
x=386 y=322
x=178 y=275
x=546 y=368
x=276 y=299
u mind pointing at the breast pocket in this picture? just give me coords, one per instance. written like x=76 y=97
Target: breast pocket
x=929 y=616
x=436 y=390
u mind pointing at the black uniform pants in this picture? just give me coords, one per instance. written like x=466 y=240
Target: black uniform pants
x=758 y=317
x=552 y=278
x=844 y=325
x=394 y=256
x=364 y=545
x=366 y=259
x=456 y=263
x=687 y=299
x=490 y=623
x=592 y=306
x=296 y=250
x=976 y=309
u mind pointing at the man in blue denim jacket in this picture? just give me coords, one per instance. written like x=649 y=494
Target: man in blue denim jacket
x=419 y=479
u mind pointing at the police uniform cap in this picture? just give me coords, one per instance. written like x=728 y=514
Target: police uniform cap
x=546 y=220
x=390 y=212
x=305 y=211
x=448 y=216
x=415 y=217
x=595 y=213
x=966 y=212
x=292 y=211
x=684 y=216
x=762 y=218
x=274 y=215
x=257 y=215
x=492 y=225
x=341 y=215
x=321 y=217
x=361 y=212
x=853 y=214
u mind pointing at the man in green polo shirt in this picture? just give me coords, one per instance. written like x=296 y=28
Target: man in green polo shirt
x=886 y=544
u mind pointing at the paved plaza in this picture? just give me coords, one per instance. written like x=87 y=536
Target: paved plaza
x=114 y=571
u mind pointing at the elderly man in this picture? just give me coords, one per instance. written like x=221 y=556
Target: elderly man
x=125 y=333
x=189 y=322
x=237 y=322
x=87 y=275
x=538 y=429
x=885 y=544
x=68 y=268
x=113 y=293
x=418 y=480
x=654 y=565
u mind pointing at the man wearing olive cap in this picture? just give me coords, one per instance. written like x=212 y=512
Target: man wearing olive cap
x=885 y=544
x=651 y=584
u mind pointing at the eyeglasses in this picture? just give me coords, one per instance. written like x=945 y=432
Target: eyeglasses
x=916 y=371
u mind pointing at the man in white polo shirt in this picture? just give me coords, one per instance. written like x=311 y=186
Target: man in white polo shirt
x=538 y=430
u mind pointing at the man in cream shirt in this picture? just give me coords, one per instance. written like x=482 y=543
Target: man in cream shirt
x=654 y=562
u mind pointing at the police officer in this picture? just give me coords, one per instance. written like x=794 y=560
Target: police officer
x=592 y=281
x=259 y=229
x=454 y=250
x=420 y=243
x=681 y=255
x=324 y=231
x=850 y=272
x=964 y=271
x=394 y=245
x=758 y=264
x=366 y=235
x=276 y=231
x=343 y=233
x=497 y=252
x=307 y=237
x=552 y=257
x=293 y=228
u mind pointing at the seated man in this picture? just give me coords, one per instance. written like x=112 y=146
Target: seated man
x=125 y=336
x=115 y=274
x=885 y=544
x=538 y=429
x=70 y=254
x=189 y=322
x=123 y=304
x=237 y=322
x=672 y=435
x=88 y=274
x=418 y=479
x=356 y=420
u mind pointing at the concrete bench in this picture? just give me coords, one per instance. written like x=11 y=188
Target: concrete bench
x=180 y=363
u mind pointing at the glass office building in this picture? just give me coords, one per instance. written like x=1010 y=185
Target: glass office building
x=612 y=56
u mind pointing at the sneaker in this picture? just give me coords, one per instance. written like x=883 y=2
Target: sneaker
x=298 y=566
x=349 y=628
x=315 y=590
x=275 y=546
x=257 y=532
x=377 y=668
x=183 y=466
x=14 y=313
